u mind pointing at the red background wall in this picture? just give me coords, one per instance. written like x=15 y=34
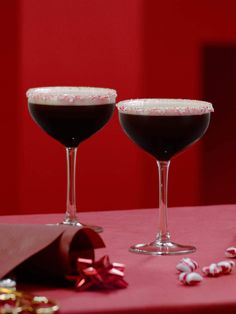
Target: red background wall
x=141 y=48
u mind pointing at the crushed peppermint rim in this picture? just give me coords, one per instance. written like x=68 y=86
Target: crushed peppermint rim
x=71 y=95
x=164 y=107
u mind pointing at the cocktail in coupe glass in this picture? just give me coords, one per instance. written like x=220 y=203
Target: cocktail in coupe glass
x=71 y=115
x=163 y=128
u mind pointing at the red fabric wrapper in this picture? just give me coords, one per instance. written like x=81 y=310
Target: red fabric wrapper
x=44 y=252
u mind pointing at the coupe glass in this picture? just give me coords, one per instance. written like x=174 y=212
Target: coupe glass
x=163 y=128
x=71 y=115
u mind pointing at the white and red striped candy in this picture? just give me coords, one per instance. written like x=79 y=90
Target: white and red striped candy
x=187 y=265
x=216 y=269
x=226 y=266
x=190 y=279
x=213 y=270
x=231 y=252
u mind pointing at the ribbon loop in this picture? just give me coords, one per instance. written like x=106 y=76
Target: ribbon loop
x=101 y=274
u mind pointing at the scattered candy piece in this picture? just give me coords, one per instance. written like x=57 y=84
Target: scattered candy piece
x=221 y=268
x=231 y=252
x=15 y=301
x=8 y=283
x=187 y=265
x=190 y=279
x=213 y=270
x=226 y=266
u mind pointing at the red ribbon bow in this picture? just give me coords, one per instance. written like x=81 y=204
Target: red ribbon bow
x=99 y=274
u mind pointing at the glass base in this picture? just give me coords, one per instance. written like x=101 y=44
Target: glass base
x=162 y=248
x=98 y=229
x=80 y=225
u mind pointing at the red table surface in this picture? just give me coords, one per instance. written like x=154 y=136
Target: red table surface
x=153 y=280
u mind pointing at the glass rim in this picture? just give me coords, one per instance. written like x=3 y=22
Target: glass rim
x=164 y=106
x=74 y=95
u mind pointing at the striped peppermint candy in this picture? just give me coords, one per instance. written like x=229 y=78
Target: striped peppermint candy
x=226 y=266
x=190 y=279
x=230 y=252
x=187 y=265
x=216 y=269
x=213 y=270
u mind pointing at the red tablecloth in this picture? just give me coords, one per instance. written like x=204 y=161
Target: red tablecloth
x=153 y=284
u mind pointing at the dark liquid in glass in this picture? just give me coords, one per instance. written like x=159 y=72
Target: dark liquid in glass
x=164 y=136
x=71 y=124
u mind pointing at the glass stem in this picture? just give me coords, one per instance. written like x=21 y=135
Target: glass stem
x=71 y=211
x=163 y=235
